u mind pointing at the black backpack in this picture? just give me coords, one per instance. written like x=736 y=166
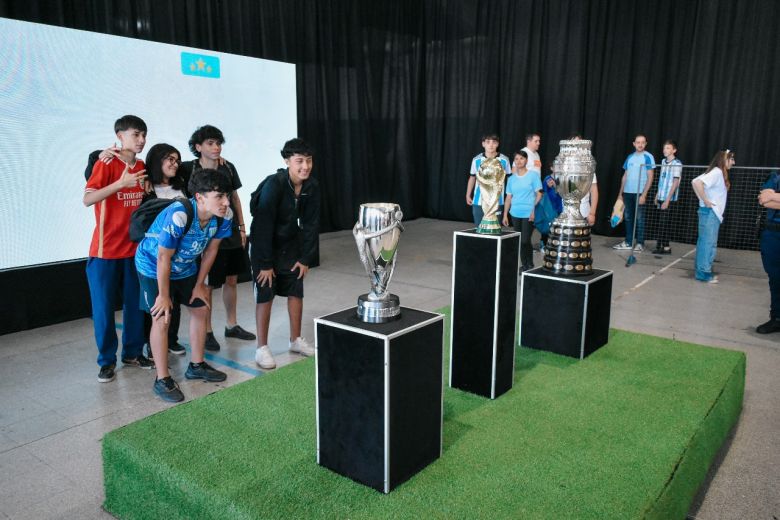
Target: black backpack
x=143 y=217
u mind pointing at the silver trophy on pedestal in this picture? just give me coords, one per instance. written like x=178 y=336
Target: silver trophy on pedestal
x=568 y=248
x=376 y=233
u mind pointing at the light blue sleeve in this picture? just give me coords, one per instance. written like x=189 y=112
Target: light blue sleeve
x=536 y=183
x=225 y=230
x=505 y=164
x=649 y=161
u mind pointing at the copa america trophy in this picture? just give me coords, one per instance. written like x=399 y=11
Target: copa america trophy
x=568 y=248
x=376 y=233
x=490 y=179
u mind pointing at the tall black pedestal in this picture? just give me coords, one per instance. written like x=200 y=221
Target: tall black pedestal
x=484 y=300
x=379 y=395
x=567 y=315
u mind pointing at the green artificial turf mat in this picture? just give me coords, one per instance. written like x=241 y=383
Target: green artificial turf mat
x=629 y=432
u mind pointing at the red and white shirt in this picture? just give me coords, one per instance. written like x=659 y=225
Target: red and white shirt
x=111 y=239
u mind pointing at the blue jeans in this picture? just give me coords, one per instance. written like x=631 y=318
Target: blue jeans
x=476 y=212
x=630 y=200
x=770 y=256
x=707 y=244
x=107 y=280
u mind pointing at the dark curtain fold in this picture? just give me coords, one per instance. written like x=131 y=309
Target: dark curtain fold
x=396 y=94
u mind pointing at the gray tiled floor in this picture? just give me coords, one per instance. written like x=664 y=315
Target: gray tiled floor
x=53 y=412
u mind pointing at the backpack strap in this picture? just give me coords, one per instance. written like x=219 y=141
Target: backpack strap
x=190 y=210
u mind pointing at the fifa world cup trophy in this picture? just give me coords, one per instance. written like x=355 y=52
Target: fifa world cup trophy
x=490 y=179
x=568 y=248
x=376 y=233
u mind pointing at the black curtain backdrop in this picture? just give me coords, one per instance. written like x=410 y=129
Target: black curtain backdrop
x=396 y=94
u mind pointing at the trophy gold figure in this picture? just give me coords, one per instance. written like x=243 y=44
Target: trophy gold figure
x=490 y=179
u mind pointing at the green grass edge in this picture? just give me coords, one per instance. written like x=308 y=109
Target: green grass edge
x=681 y=488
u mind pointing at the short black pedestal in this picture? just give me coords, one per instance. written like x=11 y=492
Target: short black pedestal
x=379 y=395
x=567 y=315
x=484 y=303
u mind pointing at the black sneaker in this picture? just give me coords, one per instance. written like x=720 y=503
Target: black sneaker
x=148 y=349
x=139 y=362
x=211 y=342
x=168 y=390
x=204 y=371
x=773 y=325
x=177 y=348
x=106 y=374
x=236 y=331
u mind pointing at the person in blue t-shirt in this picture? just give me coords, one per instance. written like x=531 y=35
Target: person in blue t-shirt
x=166 y=261
x=637 y=180
x=523 y=193
x=770 y=249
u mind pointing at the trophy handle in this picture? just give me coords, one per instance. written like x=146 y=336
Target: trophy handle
x=369 y=236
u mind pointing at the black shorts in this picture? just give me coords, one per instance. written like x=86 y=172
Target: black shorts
x=180 y=291
x=286 y=282
x=229 y=262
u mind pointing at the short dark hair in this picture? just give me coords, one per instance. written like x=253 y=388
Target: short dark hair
x=154 y=161
x=204 y=133
x=207 y=179
x=297 y=146
x=673 y=143
x=521 y=153
x=492 y=136
x=127 y=122
x=638 y=135
x=531 y=135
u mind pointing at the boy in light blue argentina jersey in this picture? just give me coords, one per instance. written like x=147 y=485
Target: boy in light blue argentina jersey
x=668 y=184
x=166 y=261
x=490 y=144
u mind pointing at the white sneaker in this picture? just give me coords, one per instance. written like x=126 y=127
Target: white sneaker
x=302 y=347
x=639 y=248
x=623 y=246
x=264 y=358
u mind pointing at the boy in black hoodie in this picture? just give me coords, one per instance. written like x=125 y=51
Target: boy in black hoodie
x=282 y=244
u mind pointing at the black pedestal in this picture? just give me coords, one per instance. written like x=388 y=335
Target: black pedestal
x=564 y=314
x=379 y=395
x=484 y=303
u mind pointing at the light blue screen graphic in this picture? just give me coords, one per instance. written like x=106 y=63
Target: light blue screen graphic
x=61 y=91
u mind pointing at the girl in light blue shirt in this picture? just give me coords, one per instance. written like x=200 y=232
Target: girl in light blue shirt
x=523 y=192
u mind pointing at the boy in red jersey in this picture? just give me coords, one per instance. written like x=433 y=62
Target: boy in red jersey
x=116 y=190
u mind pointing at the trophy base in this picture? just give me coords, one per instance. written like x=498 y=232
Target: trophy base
x=568 y=251
x=489 y=226
x=378 y=311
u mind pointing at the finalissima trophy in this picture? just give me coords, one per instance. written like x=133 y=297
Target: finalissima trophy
x=376 y=233
x=568 y=248
x=490 y=179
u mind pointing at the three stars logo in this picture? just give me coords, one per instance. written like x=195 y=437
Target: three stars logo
x=199 y=65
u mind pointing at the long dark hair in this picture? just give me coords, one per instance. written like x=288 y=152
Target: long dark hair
x=154 y=163
x=721 y=160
